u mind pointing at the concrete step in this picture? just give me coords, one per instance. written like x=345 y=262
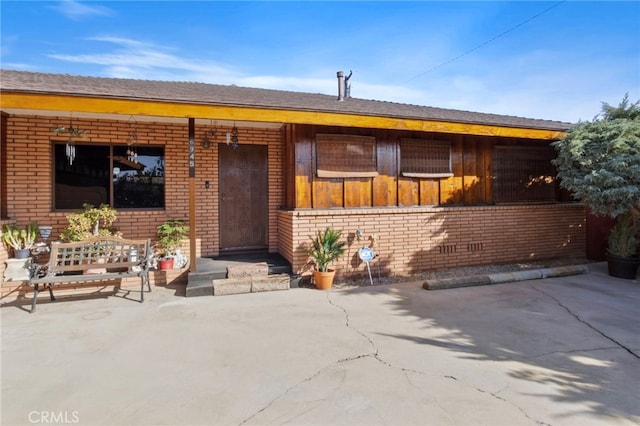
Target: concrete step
x=252 y=284
x=241 y=266
x=199 y=286
x=204 y=286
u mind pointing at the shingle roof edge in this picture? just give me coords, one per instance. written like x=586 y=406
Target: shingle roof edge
x=214 y=94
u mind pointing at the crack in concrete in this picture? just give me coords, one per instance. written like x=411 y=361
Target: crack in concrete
x=376 y=355
x=289 y=389
x=373 y=354
x=506 y=401
x=432 y=398
x=577 y=317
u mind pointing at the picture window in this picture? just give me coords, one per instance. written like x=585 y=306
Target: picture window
x=103 y=174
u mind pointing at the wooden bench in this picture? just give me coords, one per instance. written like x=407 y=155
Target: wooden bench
x=94 y=259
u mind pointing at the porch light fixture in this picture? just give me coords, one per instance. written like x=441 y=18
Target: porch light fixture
x=71 y=132
x=233 y=137
x=132 y=140
x=209 y=138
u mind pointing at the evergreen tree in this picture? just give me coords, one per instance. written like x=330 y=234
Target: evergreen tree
x=599 y=161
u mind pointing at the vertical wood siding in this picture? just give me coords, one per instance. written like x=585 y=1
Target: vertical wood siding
x=470 y=185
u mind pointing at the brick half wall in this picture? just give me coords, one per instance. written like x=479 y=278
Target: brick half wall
x=414 y=240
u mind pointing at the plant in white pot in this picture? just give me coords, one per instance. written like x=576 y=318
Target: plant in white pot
x=325 y=248
x=20 y=239
x=599 y=163
x=170 y=236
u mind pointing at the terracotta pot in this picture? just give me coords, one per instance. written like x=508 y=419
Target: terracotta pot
x=622 y=267
x=165 y=264
x=324 y=280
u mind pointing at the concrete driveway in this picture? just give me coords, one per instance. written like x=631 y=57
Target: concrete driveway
x=560 y=351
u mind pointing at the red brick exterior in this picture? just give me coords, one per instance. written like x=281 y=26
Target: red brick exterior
x=29 y=177
x=413 y=240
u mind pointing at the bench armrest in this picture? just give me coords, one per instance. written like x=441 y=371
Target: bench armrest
x=38 y=270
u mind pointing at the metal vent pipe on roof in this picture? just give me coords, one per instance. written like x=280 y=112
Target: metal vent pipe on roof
x=340 y=86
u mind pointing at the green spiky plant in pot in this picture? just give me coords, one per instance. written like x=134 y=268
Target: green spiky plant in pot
x=325 y=248
x=20 y=239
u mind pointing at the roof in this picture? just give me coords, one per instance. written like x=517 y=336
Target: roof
x=234 y=96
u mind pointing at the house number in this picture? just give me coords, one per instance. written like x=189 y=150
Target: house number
x=192 y=157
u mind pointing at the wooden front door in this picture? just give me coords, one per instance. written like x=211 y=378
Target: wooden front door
x=244 y=196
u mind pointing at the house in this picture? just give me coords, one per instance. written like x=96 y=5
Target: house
x=256 y=169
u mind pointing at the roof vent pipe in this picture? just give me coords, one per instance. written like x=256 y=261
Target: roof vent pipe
x=340 y=86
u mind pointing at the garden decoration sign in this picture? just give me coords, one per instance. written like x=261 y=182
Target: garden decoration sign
x=366 y=255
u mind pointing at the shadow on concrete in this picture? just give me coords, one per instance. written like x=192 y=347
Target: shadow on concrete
x=578 y=335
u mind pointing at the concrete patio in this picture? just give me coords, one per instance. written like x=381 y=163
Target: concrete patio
x=557 y=351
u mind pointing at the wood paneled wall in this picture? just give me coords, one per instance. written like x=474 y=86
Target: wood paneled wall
x=469 y=185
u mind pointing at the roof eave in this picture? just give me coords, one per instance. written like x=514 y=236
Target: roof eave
x=65 y=103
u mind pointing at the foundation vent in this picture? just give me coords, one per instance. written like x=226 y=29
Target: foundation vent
x=475 y=247
x=447 y=248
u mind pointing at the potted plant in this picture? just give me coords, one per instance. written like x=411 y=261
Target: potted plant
x=598 y=163
x=20 y=239
x=171 y=234
x=622 y=249
x=90 y=222
x=325 y=248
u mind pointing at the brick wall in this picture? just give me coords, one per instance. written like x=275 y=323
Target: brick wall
x=413 y=240
x=29 y=160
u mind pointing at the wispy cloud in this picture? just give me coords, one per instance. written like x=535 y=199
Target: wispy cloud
x=135 y=59
x=75 y=10
x=129 y=58
x=19 y=66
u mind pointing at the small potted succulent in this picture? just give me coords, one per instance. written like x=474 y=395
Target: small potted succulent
x=20 y=239
x=325 y=248
x=171 y=234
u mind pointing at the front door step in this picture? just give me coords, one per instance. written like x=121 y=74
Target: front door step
x=246 y=270
x=243 y=267
x=251 y=284
x=226 y=286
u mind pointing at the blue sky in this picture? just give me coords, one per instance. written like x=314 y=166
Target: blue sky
x=552 y=60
